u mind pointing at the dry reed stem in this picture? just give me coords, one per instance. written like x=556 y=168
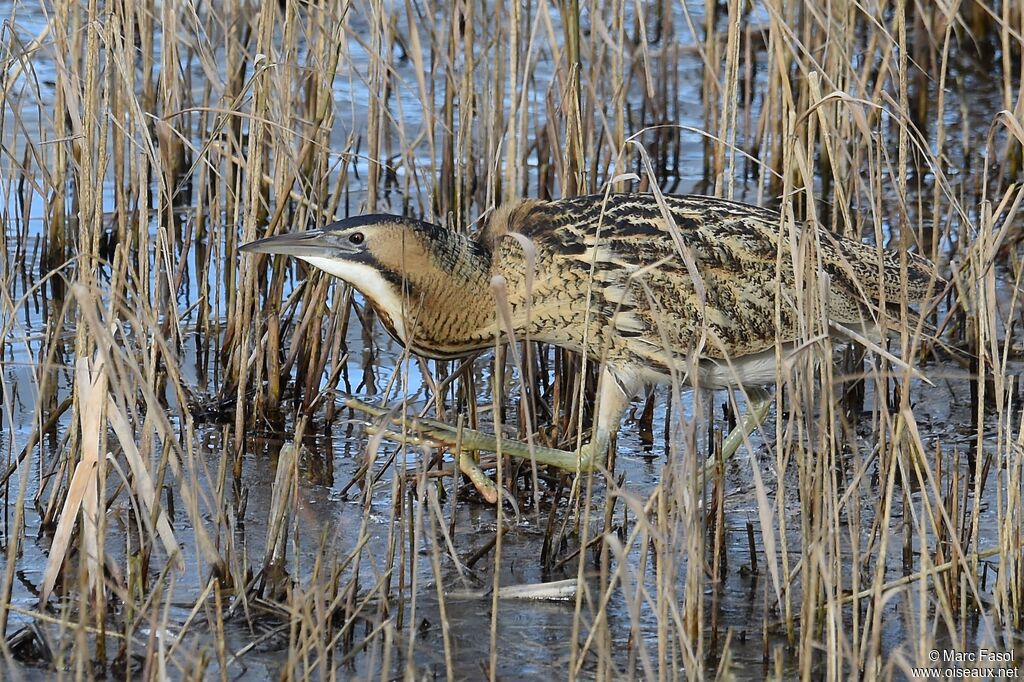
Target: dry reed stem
x=82 y=489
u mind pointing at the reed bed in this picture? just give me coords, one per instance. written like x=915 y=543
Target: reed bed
x=186 y=496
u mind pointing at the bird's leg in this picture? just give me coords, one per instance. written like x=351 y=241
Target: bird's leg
x=758 y=403
x=439 y=434
x=614 y=394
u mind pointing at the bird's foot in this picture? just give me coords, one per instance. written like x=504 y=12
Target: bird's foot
x=582 y=461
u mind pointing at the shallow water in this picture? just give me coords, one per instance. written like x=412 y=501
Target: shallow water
x=533 y=636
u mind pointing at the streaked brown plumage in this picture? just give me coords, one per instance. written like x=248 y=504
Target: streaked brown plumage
x=704 y=298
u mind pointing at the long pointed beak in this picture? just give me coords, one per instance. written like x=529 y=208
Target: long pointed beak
x=299 y=244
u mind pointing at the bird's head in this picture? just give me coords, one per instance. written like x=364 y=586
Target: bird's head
x=359 y=249
x=392 y=260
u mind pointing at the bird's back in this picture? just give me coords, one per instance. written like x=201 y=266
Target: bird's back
x=616 y=279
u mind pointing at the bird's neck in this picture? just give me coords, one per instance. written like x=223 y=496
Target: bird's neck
x=448 y=309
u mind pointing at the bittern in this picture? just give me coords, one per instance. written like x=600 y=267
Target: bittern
x=688 y=288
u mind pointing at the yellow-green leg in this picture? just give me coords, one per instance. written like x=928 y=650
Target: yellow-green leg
x=614 y=394
x=759 y=402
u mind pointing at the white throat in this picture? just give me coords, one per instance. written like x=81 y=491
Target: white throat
x=369 y=282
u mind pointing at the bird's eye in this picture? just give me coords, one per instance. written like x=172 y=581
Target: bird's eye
x=357 y=238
